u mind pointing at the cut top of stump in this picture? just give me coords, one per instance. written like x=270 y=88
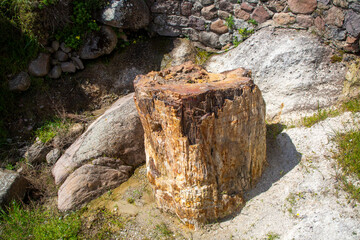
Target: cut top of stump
x=190 y=79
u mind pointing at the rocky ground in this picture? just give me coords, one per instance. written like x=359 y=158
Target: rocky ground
x=298 y=197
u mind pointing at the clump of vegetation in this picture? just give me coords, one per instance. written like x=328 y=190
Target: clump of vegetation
x=101 y=224
x=253 y=22
x=202 y=56
x=37 y=223
x=229 y=22
x=352 y=105
x=272 y=236
x=164 y=230
x=50 y=129
x=348 y=158
x=82 y=23
x=336 y=58
x=320 y=115
x=244 y=33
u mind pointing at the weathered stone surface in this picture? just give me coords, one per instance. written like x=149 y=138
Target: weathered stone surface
x=225 y=39
x=117 y=133
x=78 y=63
x=335 y=16
x=284 y=18
x=191 y=33
x=340 y=3
x=239 y=13
x=126 y=14
x=12 y=187
x=352 y=23
x=65 y=48
x=209 y=12
x=246 y=7
x=210 y=39
x=355 y=6
x=182 y=52
x=99 y=43
x=226 y=6
x=219 y=27
x=352 y=83
x=20 y=82
x=335 y=33
x=55 y=72
x=164 y=30
x=61 y=56
x=292 y=69
x=55 y=45
x=302 y=6
x=165 y=6
x=260 y=14
x=204 y=138
x=68 y=67
x=207 y=2
x=179 y=21
x=40 y=66
x=223 y=14
x=197 y=23
x=304 y=20
x=277 y=6
x=186 y=8
x=37 y=152
x=319 y=23
x=53 y=156
x=90 y=181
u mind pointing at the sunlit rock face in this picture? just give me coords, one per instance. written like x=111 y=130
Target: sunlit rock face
x=204 y=139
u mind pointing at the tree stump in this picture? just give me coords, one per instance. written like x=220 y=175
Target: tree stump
x=205 y=139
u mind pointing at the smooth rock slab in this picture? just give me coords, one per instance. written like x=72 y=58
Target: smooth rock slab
x=90 y=181
x=292 y=69
x=117 y=133
x=12 y=187
x=204 y=139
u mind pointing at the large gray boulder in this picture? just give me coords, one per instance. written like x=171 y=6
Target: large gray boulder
x=126 y=14
x=292 y=68
x=90 y=181
x=12 y=187
x=117 y=135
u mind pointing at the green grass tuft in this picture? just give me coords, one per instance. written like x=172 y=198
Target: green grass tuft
x=353 y=105
x=164 y=230
x=349 y=159
x=50 y=129
x=321 y=115
x=272 y=236
x=37 y=223
x=202 y=56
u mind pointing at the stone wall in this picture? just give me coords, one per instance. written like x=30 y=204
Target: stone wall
x=205 y=21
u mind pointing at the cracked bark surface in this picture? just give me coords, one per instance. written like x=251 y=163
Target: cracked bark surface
x=205 y=139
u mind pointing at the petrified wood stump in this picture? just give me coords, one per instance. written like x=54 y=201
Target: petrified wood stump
x=204 y=139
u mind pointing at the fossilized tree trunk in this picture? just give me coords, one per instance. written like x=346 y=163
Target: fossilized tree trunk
x=204 y=139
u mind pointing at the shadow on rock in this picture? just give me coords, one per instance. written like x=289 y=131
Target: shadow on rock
x=282 y=157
